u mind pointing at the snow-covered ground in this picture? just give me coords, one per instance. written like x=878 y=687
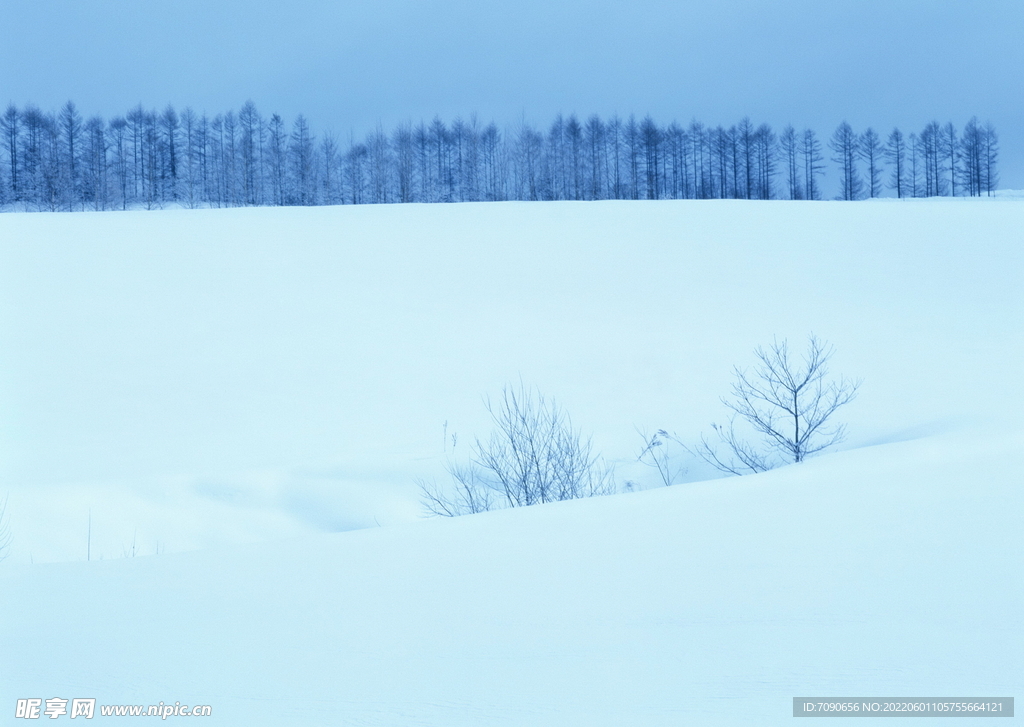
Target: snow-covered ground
x=248 y=383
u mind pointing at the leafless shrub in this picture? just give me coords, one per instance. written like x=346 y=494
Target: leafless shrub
x=534 y=455
x=789 y=403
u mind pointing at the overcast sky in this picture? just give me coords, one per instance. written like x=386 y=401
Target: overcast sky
x=350 y=65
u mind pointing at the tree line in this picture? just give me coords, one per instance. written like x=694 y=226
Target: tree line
x=150 y=159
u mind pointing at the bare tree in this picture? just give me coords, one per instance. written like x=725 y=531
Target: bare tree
x=914 y=164
x=932 y=153
x=70 y=130
x=534 y=455
x=950 y=145
x=789 y=145
x=813 y=168
x=789 y=403
x=329 y=185
x=303 y=162
x=10 y=130
x=845 y=145
x=870 y=150
x=896 y=153
x=989 y=157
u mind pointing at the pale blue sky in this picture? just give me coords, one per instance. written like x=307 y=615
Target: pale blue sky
x=348 y=65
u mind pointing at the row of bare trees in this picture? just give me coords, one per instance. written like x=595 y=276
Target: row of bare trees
x=939 y=161
x=145 y=158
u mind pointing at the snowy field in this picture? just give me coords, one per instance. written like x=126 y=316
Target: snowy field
x=252 y=395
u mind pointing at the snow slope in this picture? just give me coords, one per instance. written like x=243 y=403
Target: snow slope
x=885 y=571
x=250 y=382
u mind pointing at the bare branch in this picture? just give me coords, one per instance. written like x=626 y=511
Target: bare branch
x=655 y=454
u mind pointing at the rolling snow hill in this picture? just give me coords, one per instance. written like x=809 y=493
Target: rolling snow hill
x=263 y=387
